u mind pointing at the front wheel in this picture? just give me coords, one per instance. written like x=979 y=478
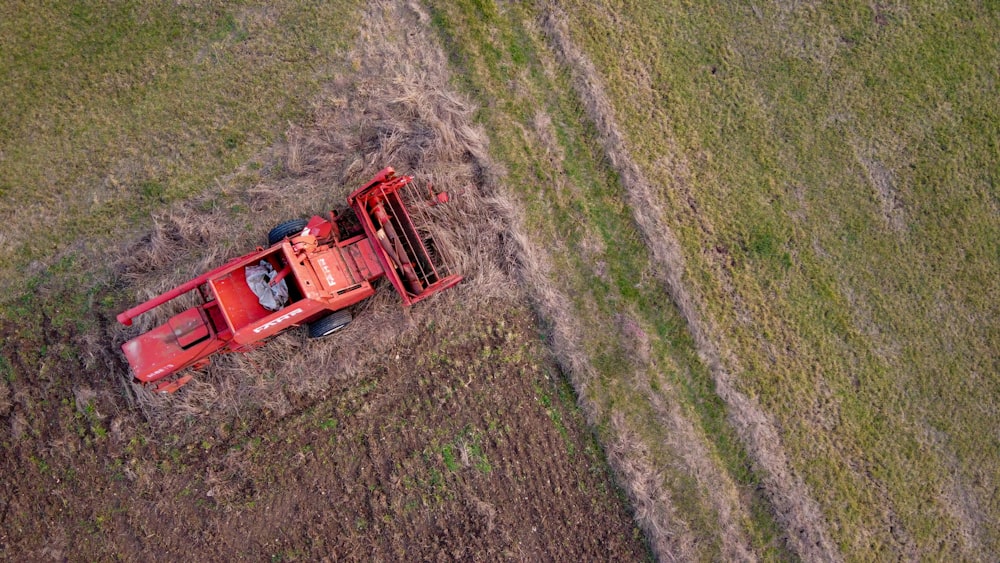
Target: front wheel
x=286 y=229
x=329 y=324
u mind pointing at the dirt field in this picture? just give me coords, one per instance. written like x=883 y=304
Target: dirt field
x=472 y=451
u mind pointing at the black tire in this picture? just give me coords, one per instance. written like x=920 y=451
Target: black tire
x=329 y=324
x=286 y=229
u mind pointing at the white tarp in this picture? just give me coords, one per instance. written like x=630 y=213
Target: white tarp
x=259 y=277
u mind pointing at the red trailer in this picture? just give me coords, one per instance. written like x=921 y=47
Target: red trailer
x=311 y=273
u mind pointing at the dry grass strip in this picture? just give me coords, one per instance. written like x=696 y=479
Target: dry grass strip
x=668 y=535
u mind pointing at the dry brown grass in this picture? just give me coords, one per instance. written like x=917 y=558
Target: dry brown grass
x=395 y=110
x=799 y=514
x=669 y=536
x=884 y=183
x=689 y=444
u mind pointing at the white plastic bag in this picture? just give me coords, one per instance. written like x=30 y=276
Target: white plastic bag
x=259 y=277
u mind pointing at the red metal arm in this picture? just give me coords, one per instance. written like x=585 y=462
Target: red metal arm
x=126 y=317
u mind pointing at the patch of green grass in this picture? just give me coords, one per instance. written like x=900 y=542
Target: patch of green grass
x=113 y=110
x=40 y=464
x=472 y=442
x=448 y=454
x=466 y=447
x=7 y=370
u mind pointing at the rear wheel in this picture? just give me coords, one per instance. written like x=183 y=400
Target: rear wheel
x=329 y=324
x=286 y=229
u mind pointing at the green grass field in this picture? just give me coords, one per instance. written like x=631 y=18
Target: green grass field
x=111 y=112
x=843 y=166
x=828 y=173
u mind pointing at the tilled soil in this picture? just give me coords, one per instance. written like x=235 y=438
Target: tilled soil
x=463 y=444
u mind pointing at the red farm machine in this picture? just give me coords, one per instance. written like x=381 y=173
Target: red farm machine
x=311 y=273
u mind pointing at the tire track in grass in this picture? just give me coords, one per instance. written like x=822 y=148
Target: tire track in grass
x=717 y=486
x=683 y=440
x=799 y=514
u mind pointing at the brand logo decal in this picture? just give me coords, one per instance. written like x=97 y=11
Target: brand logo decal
x=165 y=369
x=330 y=280
x=277 y=321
